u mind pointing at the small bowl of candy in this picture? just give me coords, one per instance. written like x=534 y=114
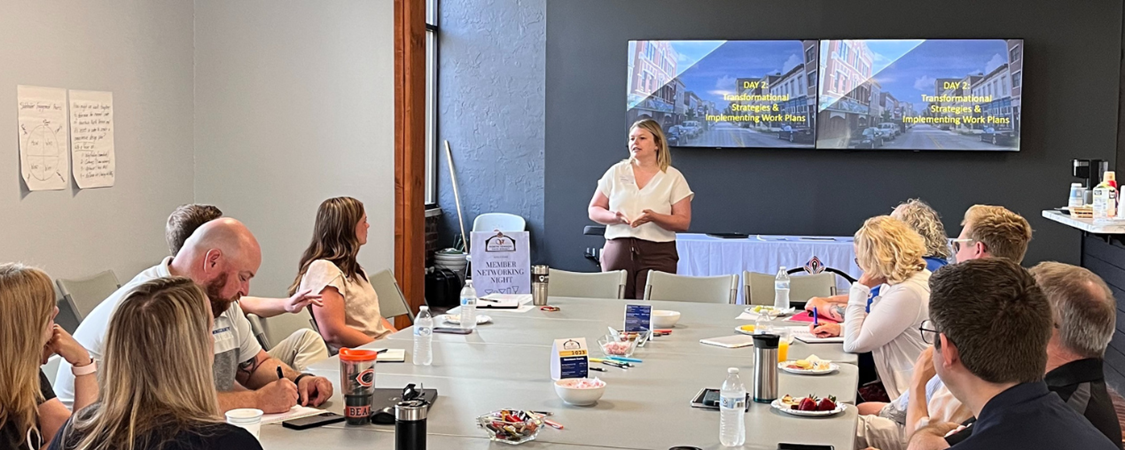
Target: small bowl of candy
x=621 y=345
x=580 y=391
x=510 y=426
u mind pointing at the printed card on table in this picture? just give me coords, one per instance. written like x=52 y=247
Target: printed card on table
x=570 y=358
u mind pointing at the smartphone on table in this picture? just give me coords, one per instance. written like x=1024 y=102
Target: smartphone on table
x=305 y=423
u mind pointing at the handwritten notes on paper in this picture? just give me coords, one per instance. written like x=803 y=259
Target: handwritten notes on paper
x=43 y=136
x=91 y=141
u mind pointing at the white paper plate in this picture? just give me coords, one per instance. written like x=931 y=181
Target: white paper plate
x=456 y=318
x=832 y=368
x=769 y=311
x=840 y=407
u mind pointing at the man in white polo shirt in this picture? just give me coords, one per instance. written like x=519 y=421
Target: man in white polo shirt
x=221 y=256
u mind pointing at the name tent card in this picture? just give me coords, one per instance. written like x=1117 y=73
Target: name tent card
x=638 y=318
x=570 y=358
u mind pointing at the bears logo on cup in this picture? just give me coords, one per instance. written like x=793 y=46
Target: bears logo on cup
x=366 y=378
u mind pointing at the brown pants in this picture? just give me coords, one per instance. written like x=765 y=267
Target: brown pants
x=637 y=257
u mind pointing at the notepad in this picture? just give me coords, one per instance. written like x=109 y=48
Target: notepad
x=296 y=412
x=503 y=301
x=391 y=355
x=804 y=335
x=735 y=341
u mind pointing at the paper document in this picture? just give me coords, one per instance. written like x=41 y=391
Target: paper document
x=804 y=335
x=297 y=412
x=391 y=355
x=735 y=341
x=518 y=299
x=91 y=138
x=43 y=137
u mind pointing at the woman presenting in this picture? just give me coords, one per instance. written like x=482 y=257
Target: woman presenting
x=643 y=201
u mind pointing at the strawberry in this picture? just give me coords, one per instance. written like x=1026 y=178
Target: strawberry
x=807 y=404
x=826 y=404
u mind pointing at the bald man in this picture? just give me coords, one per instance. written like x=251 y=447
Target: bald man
x=221 y=256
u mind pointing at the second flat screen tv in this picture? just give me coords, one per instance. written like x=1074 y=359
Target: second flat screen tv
x=934 y=94
x=726 y=94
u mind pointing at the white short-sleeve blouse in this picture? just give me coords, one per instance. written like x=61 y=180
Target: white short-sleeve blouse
x=664 y=190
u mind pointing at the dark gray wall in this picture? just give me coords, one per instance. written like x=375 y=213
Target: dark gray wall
x=1070 y=105
x=491 y=110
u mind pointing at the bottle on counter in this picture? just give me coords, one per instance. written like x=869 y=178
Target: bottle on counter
x=1105 y=197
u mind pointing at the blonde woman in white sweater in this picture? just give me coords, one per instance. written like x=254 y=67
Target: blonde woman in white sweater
x=890 y=254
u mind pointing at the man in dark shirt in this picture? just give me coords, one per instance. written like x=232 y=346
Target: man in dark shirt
x=990 y=326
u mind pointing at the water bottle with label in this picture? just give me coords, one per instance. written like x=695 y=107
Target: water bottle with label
x=781 y=290
x=468 y=306
x=423 y=337
x=732 y=410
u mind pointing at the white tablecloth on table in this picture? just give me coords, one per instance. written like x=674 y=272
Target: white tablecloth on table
x=703 y=255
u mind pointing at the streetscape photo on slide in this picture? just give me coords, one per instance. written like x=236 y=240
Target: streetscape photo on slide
x=726 y=94
x=920 y=94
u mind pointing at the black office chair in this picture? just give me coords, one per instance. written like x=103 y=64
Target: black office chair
x=591 y=253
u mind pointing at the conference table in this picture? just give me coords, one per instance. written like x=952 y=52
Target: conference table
x=506 y=365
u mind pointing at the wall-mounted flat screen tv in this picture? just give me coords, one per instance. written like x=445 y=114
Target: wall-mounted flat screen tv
x=931 y=94
x=726 y=94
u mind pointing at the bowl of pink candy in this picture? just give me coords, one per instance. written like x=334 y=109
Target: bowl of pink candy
x=621 y=345
x=580 y=391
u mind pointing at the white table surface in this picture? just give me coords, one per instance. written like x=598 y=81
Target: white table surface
x=506 y=365
x=703 y=255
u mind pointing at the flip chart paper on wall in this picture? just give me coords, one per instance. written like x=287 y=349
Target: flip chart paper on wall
x=91 y=140
x=43 y=137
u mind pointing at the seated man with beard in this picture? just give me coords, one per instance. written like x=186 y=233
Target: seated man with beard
x=221 y=256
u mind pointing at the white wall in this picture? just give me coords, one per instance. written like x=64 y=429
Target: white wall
x=293 y=105
x=142 y=52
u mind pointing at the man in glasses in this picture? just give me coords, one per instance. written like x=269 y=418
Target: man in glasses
x=987 y=232
x=991 y=324
x=992 y=231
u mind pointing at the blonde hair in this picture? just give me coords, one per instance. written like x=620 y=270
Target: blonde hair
x=886 y=247
x=156 y=376
x=1004 y=233
x=27 y=300
x=663 y=156
x=923 y=219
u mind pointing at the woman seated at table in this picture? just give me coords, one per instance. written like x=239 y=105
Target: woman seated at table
x=926 y=222
x=644 y=202
x=157 y=396
x=30 y=415
x=890 y=254
x=350 y=314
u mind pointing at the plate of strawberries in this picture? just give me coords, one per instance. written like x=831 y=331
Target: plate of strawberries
x=811 y=406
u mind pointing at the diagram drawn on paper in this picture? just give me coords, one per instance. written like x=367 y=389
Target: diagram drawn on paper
x=44 y=152
x=44 y=137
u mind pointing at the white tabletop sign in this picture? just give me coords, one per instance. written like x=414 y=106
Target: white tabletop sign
x=501 y=262
x=570 y=359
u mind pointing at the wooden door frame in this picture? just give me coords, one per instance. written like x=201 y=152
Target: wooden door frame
x=410 y=151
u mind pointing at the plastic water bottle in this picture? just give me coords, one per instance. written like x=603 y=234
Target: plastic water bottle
x=781 y=290
x=732 y=410
x=423 y=337
x=468 y=306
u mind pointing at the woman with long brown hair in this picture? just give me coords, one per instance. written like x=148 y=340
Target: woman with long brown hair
x=30 y=415
x=157 y=398
x=643 y=201
x=350 y=314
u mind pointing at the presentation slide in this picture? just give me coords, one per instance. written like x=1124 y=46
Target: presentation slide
x=931 y=94
x=726 y=94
